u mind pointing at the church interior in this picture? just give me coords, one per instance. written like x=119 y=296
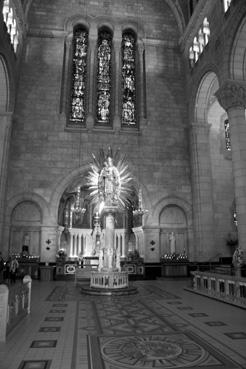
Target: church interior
x=122 y=184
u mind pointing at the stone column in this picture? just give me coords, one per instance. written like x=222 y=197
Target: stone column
x=109 y=250
x=5 y=133
x=203 y=215
x=232 y=97
x=4 y=295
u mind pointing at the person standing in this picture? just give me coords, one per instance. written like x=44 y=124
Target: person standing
x=14 y=265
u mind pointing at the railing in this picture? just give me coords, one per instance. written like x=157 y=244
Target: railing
x=223 y=287
x=15 y=304
x=109 y=279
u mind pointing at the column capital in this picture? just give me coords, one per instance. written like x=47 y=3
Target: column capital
x=232 y=94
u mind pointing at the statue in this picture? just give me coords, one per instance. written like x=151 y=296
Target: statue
x=109 y=183
x=237 y=257
x=172 y=243
x=26 y=240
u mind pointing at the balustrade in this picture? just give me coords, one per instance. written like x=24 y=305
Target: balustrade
x=15 y=304
x=223 y=287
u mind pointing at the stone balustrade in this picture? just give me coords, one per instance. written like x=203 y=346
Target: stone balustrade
x=109 y=279
x=15 y=304
x=228 y=288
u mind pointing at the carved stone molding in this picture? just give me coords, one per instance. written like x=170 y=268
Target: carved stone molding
x=232 y=94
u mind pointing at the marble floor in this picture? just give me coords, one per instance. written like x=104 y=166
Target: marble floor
x=162 y=326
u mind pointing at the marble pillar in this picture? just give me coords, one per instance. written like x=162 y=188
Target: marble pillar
x=202 y=192
x=232 y=97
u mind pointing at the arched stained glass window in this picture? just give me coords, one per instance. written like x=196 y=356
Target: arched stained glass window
x=128 y=79
x=104 y=57
x=227 y=135
x=9 y=18
x=79 y=67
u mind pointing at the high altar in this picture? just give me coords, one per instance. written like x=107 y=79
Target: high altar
x=109 y=188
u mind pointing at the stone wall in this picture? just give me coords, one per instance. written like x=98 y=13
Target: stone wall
x=44 y=154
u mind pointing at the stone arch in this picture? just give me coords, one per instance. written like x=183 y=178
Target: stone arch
x=72 y=22
x=103 y=24
x=175 y=7
x=168 y=213
x=25 y=197
x=170 y=201
x=4 y=83
x=75 y=177
x=25 y=228
x=203 y=95
x=238 y=53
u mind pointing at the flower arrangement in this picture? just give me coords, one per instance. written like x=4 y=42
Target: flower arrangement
x=61 y=253
x=174 y=257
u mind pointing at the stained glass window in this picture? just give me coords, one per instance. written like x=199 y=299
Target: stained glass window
x=128 y=79
x=227 y=4
x=9 y=18
x=79 y=66
x=104 y=57
x=227 y=135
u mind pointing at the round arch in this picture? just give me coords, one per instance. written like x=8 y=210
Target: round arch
x=27 y=196
x=238 y=53
x=207 y=87
x=76 y=176
x=172 y=201
x=4 y=83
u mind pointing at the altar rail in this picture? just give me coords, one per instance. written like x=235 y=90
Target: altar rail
x=227 y=288
x=15 y=304
x=109 y=279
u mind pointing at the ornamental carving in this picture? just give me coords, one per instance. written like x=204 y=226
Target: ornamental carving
x=231 y=94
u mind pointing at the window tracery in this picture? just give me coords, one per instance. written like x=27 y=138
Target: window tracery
x=227 y=4
x=199 y=42
x=79 y=68
x=104 y=60
x=227 y=135
x=10 y=21
x=128 y=79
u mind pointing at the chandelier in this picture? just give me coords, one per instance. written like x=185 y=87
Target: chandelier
x=140 y=210
x=77 y=209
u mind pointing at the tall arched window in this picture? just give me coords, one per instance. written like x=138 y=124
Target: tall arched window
x=227 y=135
x=9 y=18
x=79 y=68
x=104 y=61
x=128 y=79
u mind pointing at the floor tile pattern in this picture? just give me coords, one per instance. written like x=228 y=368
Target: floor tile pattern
x=236 y=335
x=215 y=324
x=43 y=343
x=35 y=364
x=153 y=329
x=175 y=350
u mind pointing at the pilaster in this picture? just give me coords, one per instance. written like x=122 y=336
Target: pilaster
x=5 y=133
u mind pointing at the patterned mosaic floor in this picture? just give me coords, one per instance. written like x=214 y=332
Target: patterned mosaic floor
x=141 y=332
x=163 y=326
